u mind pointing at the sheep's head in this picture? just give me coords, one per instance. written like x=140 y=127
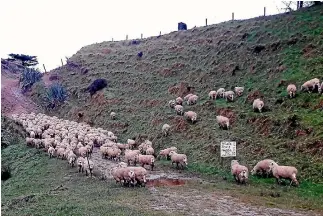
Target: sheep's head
x=233 y=162
x=253 y=171
x=272 y=165
x=171 y=153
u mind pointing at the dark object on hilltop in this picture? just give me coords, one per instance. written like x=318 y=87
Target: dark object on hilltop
x=135 y=42
x=140 y=54
x=84 y=70
x=182 y=26
x=5 y=172
x=28 y=77
x=97 y=85
x=55 y=95
x=26 y=60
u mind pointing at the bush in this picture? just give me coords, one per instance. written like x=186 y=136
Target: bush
x=28 y=77
x=55 y=95
x=5 y=172
x=97 y=85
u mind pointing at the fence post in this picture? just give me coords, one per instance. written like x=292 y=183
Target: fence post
x=44 y=68
x=232 y=16
x=62 y=62
x=160 y=33
x=112 y=39
x=126 y=37
x=141 y=35
x=206 y=22
x=264 y=11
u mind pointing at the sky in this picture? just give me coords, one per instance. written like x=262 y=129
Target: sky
x=54 y=29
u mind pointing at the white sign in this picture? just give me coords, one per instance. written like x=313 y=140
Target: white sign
x=228 y=149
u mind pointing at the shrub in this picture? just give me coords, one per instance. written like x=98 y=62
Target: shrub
x=28 y=77
x=55 y=95
x=97 y=85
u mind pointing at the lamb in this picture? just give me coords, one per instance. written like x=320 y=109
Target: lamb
x=239 y=172
x=190 y=115
x=88 y=166
x=131 y=156
x=291 y=90
x=212 y=95
x=178 y=159
x=171 y=103
x=223 y=122
x=113 y=115
x=192 y=100
x=179 y=101
x=71 y=158
x=146 y=160
x=79 y=163
x=228 y=95
x=239 y=90
x=258 y=104
x=179 y=109
x=286 y=172
x=51 y=152
x=262 y=167
x=165 y=152
x=166 y=129
x=310 y=85
x=220 y=92
x=187 y=97
x=131 y=143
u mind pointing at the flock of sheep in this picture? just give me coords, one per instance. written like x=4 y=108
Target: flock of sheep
x=266 y=167
x=74 y=142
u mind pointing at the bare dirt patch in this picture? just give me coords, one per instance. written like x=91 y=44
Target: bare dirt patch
x=262 y=125
x=180 y=124
x=181 y=89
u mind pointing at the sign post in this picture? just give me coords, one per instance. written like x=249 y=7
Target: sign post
x=228 y=149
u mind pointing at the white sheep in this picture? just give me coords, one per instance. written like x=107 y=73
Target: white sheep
x=172 y=103
x=88 y=166
x=223 y=122
x=146 y=160
x=165 y=152
x=178 y=159
x=212 y=95
x=228 y=95
x=262 y=167
x=187 y=96
x=220 y=92
x=179 y=109
x=113 y=115
x=131 y=143
x=291 y=90
x=310 y=85
x=287 y=172
x=179 y=101
x=192 y=100
x=258 y=104
x=239 y=90
x=239 y=172
x=190 y=116
x=166 y=129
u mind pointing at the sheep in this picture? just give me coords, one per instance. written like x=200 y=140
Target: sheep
x=83 y=151
x=212 y=95
x=165 y=152
x=130 y=156
x=60 y=153
x=187 y=96
x=88 y=166
x=286 y=172
x=172 y=103
x=192 y=100
x=122 y=164
x=179 y=101
x=150 y=151
x=228 y=95
x=114 y=153
x=220 y=92
x=79 y=163
x=190 y=115
x=51 y=152
x=146 y=160
x=131 y=143
x=71 y=158
x=32 y=134
x=262 y=167
x=291 y=90
x=310 y=85
x=113 y=115
x=239 y=172
x=166 y=129
x=258 y=104
x=239 y=90
x=140 y=175
x=123 y=173
x=178 y=159
x=179 y=109
x=223 y=122
x=29 y=141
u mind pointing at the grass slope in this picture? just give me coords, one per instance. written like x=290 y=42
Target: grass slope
x=263 y=54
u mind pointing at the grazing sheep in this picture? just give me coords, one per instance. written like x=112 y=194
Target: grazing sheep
x=220 y=92
x=239 y=172
x=88 y=166
x=291 y=90
x=239 y=90
x=179 y=109
x=187 y=97
x=179 y=101
x=178 y=159
x=262 y=167
x=258 y=104
x=192 y=100
x=286 y=172
x=113 y=115
x=71 y=158
x=79 y=163
x=223 y=122
x=172 y=103
x=131 y=143
x=165 y=152
x=131 y=156
x=146 y=160
x=190 y=115
x=60 y=153
x=212 y=95
x=123 y=173
x=166 y=129
x=150 y=151
x=51 y=152
x=140 y=175
x=228 y=95
x=310 y=85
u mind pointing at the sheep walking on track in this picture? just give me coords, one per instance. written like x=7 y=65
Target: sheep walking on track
x=286 y=172
x=178 y=159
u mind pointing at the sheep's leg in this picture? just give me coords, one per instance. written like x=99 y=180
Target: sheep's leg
x=177 y=165
x=86 y=172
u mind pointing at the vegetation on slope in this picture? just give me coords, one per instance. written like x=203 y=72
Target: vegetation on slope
x=263 y=54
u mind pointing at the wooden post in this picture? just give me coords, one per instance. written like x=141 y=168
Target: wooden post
x=44 y=68
x=112 y=39
x=141 y=35
x=206 y=22
x=264 y=11
x=62 y=62
x=232 y=16
x=126 y=37
x=160 y=33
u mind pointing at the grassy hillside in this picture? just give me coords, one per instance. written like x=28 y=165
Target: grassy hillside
x=263 y=54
